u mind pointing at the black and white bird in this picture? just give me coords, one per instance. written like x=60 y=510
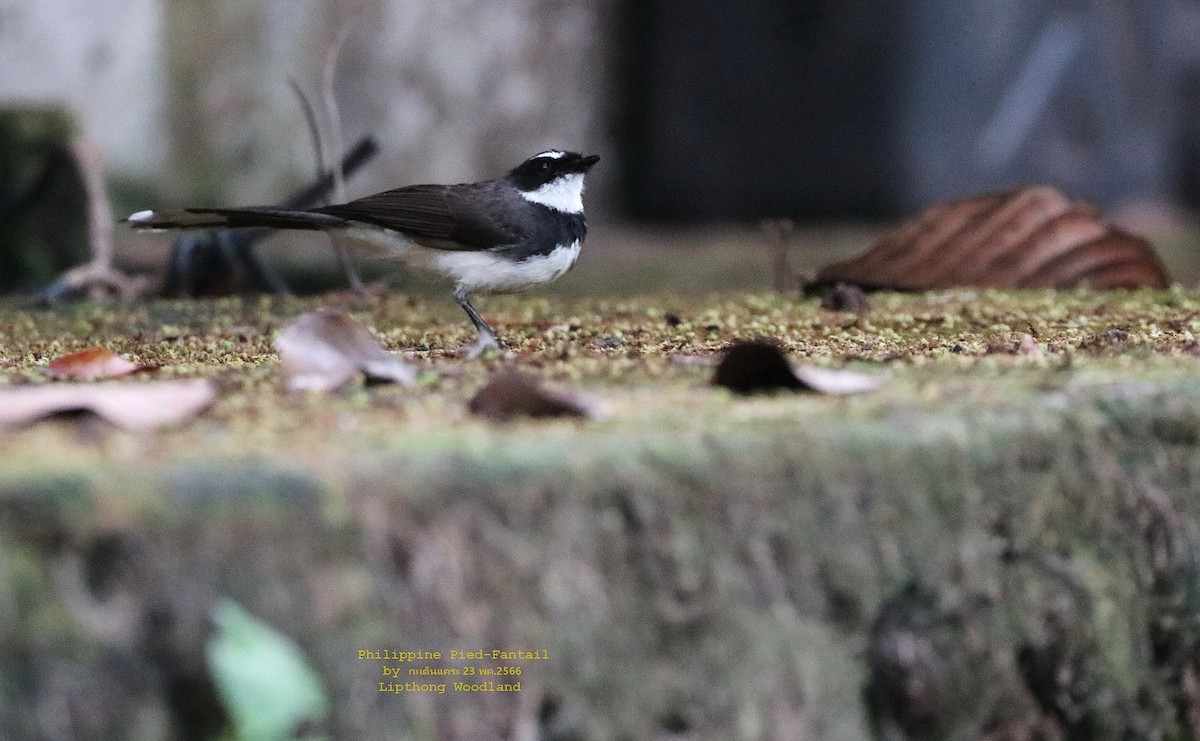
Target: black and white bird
x=495 y=236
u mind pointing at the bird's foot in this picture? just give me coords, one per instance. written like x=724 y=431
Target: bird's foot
x=487 y=343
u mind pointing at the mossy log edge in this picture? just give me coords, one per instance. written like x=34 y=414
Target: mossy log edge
x=1003 y=573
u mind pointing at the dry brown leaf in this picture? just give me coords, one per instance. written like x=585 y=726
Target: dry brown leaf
x=1032 y=237
x=324 y=349
x=753 y=367
x=90 y=364
x=758 y=366
x=134 y=406
x=510 y=394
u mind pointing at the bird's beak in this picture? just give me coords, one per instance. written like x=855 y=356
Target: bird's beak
x=585 y=163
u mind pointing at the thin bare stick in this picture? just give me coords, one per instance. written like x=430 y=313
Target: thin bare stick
x=335 y=136
x=100 y=220
x=99 y=272
x=779 y=232
x=314 y=128
x=331 y=107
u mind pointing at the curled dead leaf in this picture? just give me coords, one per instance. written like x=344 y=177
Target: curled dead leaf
x=836 y=381
x=1031 y=237
x=753 y=367
x=134 y=406
x=758 y=366
x=90 y=364
x=324 y=349
x=510 y=394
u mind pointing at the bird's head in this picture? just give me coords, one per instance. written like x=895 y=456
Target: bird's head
x=553 y=179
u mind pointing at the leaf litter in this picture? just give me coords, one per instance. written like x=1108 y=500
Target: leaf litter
x=758 y=366
x=91 y=364
x=325 y=349
x=510 y=394
x=132 y=406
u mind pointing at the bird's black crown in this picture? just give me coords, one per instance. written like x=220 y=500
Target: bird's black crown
x=543 y=168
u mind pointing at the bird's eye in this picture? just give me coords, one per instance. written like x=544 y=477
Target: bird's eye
x=543 y=167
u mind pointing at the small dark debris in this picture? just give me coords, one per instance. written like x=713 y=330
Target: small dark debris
x=1115 y=336
x=712 y=327
x=957 y=348
x=511 y=394
x=609 y=343
x=1108 y=339
x=845 y=297
x=672 y=319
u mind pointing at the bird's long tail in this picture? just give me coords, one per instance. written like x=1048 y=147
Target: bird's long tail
x=232 y=218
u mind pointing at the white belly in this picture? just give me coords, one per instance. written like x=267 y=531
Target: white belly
x=485 y=271
x=475 y=271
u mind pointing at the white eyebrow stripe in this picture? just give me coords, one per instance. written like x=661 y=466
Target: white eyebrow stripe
x=552 y=154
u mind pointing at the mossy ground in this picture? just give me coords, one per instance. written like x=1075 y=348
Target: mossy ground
x=1006 y=532
x=648 y=360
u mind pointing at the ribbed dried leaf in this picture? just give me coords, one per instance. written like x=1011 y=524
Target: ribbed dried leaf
x=1032 y=237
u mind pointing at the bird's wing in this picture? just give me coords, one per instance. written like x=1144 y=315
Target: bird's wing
x=448 y=217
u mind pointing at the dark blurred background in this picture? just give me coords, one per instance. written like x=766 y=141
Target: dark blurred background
x=836 y=108
x=850 y=111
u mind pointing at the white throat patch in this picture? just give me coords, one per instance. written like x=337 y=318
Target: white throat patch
x=563 y=194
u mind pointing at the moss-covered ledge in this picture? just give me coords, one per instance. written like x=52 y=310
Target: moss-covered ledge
x=993 y=544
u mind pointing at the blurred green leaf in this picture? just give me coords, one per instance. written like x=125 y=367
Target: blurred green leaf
x=262 y=676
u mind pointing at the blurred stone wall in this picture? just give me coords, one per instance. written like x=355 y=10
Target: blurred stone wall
x=193 y=95
x=101 y=58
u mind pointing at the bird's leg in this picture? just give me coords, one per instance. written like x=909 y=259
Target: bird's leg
x=487 y=338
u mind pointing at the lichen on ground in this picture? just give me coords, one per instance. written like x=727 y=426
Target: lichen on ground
x=648 y=360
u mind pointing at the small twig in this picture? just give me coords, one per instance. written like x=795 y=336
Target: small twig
x=318 y=191
x=314 y=128
x=335 y=134
x=331 y=106
x=100 y=220
x=195 y=250
x=98 y=272
x=779 y=232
